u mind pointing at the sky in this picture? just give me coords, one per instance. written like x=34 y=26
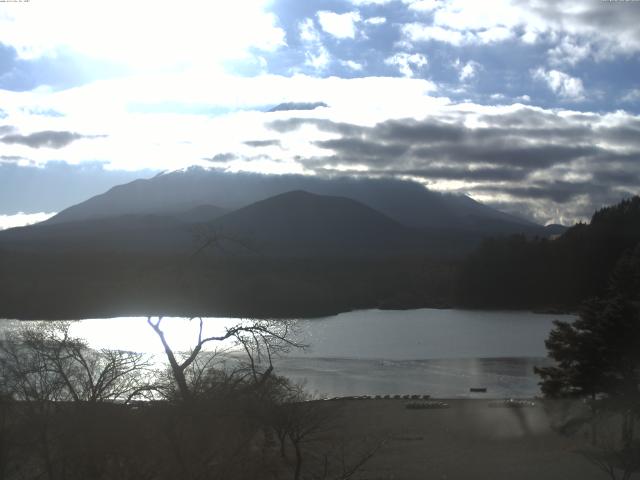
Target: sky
x=529 y=106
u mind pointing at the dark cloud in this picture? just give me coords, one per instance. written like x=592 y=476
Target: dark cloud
x=287 y=106
x=434 y=173
x=571 y=201
x=532 y=157
x=617 y=177
x=293 y=124
x=222 y=157
x=629 y=134
x=263 y=143
x=525 y=117
x=413 y=131
x=558 y=191
x=554 y=162
x=416 y=144
x=47 y=138
x=5 y=129
x=362 y=150
x=619 y=18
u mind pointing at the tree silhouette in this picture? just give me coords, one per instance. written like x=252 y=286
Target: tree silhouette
x=598 y=356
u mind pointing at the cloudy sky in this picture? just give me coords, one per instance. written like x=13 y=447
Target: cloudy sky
x=532 y=106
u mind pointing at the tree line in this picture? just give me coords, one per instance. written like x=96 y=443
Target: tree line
x=537 y=273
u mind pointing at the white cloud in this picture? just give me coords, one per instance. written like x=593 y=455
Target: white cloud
x=316 y=54
x=465 y=15
x=143 y=34
x=466 y=71
x=340 y=25
x=319 y=59
x=352 y=65
x=423 y=32
x=608 y=28
x=417 y=32
x=376 y=20
x=21 y=219
x=495 y=34
x=422 y=5
x=561 y=83
x=161 y=140
x=370 y=2
x=307 y=31
x=598 y=30
x=632 y=95
x=569 y=52
x=530 y=37
x=407 y=63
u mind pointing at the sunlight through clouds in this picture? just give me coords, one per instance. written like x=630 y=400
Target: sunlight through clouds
x=144 y=33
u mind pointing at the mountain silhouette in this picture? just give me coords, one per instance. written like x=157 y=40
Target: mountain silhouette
x=300 y=223
x=406 y=202
x=124 y=233
x=295 y=223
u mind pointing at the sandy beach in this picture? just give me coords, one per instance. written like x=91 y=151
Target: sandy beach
x=467 y=440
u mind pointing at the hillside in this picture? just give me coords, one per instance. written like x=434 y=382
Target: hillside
x=295 y=223
x=517 y=272
x=408 y=203
x=300 y=223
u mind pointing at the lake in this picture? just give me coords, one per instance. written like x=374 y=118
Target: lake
x=443 y=353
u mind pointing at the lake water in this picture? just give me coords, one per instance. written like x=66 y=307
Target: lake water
x=443 y=353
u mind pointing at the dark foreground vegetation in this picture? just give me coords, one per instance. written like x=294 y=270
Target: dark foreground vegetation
x=68 y=412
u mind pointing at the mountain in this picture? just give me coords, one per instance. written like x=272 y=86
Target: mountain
x=300 y=223
x=124 y=233
x=294 y=254
x=201 y=213
x=406 y=202
x=292 y=224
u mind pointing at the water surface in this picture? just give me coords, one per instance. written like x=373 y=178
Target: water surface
x=426 y=351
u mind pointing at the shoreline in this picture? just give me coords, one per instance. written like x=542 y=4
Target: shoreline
x=466 y=440
x=239 y=315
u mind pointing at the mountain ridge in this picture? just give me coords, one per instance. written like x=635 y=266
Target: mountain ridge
x=407 y=202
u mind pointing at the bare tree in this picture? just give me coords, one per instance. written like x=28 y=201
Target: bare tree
x=53 y=385
x=259 y=340
x=320 y=448
x=45 y=362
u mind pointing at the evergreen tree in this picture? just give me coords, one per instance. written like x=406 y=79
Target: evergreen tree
x=598 y=356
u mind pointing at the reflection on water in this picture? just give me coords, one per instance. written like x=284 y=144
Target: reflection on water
x=443 y=378
x=369 y=352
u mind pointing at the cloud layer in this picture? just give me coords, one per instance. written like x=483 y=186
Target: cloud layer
x=524 y=159
x=532 y=106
